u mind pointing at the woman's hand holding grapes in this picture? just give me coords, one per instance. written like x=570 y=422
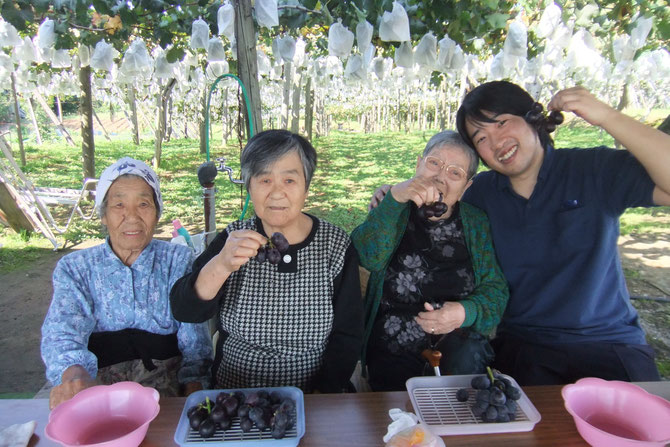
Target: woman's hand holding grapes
x=420 y=190
x=240 y=246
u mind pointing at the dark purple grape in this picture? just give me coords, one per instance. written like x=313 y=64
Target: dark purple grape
x=273 y=256
x=279 y=242
x=429 y=212
x=556 y=116
x=513 y=393
x=462 y=395
x=263 y=394
x=439 y=208
x=226 y=423
x=483 y=396
x=245 y=424
x=252 y=398
x=278 y=432
x=207 y=428
x=243 y=410
x=537 y=107
x=275 y=397
x=421 y=212
x=221 y=397
x=230 y=406
x=239 y=395
x=261 y=255
x=280 y=419
x=218 y=414
x=197 y=418
x=256 y=415
x=491 y=414
x=480 y=382
x=498 y=396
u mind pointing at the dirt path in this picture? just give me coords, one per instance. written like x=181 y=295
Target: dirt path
x=25 y=295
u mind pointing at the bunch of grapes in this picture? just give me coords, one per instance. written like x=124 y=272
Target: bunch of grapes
x=495 y=399
x=264 y=410
x=272 y=251
x=435 y=209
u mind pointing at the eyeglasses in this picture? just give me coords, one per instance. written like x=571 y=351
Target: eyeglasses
x=455 y=173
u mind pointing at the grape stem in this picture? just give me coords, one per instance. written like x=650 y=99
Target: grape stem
x=490 y=373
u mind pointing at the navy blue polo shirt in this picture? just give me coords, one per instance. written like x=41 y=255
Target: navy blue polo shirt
x=558 y=249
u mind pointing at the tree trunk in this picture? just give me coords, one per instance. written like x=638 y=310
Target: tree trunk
x=133 y=114
x=86 y=113
x=102 y=126
x=288 y=81
x=17 y=117
x=33 y=117
x=309 y=108
x=59 y=109
x=163 y=98
x=295 y=107
x=247 y=63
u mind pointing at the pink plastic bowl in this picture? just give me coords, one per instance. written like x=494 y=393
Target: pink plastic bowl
x=104 y=416
x=617 y=414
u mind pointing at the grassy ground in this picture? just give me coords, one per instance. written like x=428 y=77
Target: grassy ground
x=351 y=166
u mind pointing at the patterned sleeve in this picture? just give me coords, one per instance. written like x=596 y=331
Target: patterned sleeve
x=68 y=324
x=195 y=342
x=485 y=305
x=377 y=237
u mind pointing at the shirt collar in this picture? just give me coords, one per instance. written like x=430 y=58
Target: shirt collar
x=112 y=262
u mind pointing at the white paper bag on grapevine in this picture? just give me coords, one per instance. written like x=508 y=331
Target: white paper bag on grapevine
x=61 y=59
x=363 y=36
x=225 y=18
x=6 y=66
x=299 y=56
x=549 y=22
x=266 y=13
x=639 y=34
x=46 y=36
x=425 y=53
x=216 y=69
x=263 y=62
x=404 y=55
x=26 y=52
x=382 y=67
x=368 y=55
x=340 y=40
x=394 y=26
x=355 y=70
x=215 y=50
x=103 y=56
x=623 y=49
x=162 y=68
x=136 y=61
x=199 y=34
x=516 y=42
x=285 y=48
x=84 y=52
x=9 y=37
x=334 y=66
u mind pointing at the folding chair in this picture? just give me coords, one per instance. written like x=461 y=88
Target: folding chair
x=33 y=201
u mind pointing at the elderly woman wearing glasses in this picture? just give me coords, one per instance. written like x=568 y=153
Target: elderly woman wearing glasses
x=434 y=280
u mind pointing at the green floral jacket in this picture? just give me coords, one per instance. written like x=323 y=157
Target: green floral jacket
x=378 y=237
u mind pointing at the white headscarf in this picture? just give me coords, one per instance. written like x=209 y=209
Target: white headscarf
x=127 y=165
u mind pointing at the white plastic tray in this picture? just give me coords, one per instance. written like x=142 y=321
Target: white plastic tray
x=234 y=436
x=434 y=401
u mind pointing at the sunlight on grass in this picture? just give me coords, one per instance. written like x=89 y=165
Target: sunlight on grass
x=351 y=166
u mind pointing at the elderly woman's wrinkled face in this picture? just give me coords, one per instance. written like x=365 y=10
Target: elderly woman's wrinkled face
x=279 y=193
x=448 y=167
x=130 y=215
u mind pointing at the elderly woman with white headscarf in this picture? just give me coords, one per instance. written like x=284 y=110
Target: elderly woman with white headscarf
x=110 y=318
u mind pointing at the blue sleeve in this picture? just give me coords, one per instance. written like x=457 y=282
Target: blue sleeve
x=68 y=324
x=621 y=181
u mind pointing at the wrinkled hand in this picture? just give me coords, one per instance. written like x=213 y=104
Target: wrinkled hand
x=240 y=246
x=419 y=190
x=378 y=196
x=441 y=321
x=582 y=103
x=74 y=380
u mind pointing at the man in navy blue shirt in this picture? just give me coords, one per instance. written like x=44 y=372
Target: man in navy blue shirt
x=554 y=217
x=555 y=222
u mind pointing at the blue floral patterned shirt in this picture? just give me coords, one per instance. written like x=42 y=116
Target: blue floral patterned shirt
x=95 y=292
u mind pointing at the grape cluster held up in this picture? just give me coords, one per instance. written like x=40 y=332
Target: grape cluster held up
x=435 y=209
x=272 y=251
x=260 y=409
x=495 y=397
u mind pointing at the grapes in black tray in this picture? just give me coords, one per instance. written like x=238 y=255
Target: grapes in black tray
x=272 y=251
x=260 y=409
x=495 y=398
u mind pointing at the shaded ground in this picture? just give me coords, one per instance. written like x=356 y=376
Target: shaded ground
x=25 y=295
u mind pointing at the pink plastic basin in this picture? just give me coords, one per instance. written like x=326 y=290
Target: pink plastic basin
x=104 y=416
x=617 y=414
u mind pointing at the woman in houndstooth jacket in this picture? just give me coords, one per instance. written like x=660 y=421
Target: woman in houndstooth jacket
x=295 y=323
